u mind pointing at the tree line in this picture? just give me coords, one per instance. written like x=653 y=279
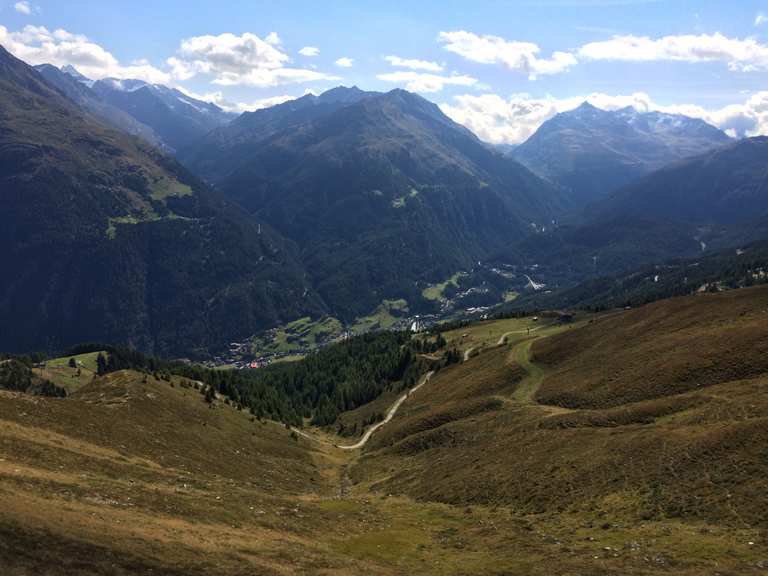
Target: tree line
x=318 y=388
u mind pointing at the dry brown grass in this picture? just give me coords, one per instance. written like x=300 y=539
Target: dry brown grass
x=471 y=477
x=662 y=349
x=678 y=432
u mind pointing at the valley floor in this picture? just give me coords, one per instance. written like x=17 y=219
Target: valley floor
x=478 y=472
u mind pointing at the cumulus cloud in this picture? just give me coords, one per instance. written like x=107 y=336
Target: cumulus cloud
x=518 y=56
x=23 y=8
x=309 y=51
x=413 y=64
x=425 y=83
x=512 y=120
x=760 y=19
x=240 y=60
x=740 y=55
x=344 y=62
x=38 y=45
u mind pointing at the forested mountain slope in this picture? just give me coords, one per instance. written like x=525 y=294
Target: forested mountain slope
x=380 y=192
x=104 y=238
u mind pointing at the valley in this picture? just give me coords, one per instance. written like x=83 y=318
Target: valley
x=508 y=462
x=501 y=310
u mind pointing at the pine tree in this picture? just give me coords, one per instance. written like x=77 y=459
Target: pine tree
x=101 y=364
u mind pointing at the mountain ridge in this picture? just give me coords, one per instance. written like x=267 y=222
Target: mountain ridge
x=593 y=151
x=105 y=238
x=386 y=179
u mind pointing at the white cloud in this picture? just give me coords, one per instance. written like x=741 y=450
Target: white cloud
x=413 y=64
x=38 y=45
x=519 y=56
x=760 y=19
x=344 y=62
x=236 y=60
x=498 y=120
x=740 y=55
x=421 y=82
x=224 y=103
x=309 y=51
x=23 y=8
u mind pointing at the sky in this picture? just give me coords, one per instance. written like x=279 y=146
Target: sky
x=500 y=67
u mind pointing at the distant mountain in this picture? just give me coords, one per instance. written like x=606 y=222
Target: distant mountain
x=380 y=191
x=106 y=239
x=708 y=203
x=593 y=152
x=77 y=88
x=220 y=152
x=176 y=118
x=727 y=186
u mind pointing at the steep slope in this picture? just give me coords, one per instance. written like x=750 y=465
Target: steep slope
x=708 y=271
x=627 y=419
x=723 y=187
x=176 y=118
x=593 y=152
x=385 y=192
x=219 y=153
x=103 y=238
x=711 y=202
x=77 y=88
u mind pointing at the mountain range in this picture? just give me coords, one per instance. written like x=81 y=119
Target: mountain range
x=709 y=202
x=593 y=152
x=325 y=205
x=163 y=116
x=382 y=193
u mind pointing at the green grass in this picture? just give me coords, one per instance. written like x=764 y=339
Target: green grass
x=166 y=187
x=435 y=291
x=510 y=296
x=86 y=361
x=304 y=333
x=526 y=389
x=384 y=317
x=60 y=373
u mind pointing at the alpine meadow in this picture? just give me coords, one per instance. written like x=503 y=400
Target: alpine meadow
x=342 y=288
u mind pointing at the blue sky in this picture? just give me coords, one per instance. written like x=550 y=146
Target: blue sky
x=500 y=67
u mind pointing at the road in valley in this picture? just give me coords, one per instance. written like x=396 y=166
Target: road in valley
x=390 y=414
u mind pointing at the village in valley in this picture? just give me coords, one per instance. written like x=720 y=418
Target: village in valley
x=467 y=296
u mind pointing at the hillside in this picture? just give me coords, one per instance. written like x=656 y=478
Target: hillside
x=220 y=152
x=175 y=117
x=708 y=204
x=76 y=88
x=724 y=187
x=477 y=473
x=711 y=271
x=626 y=422
x=106 y=239
x=380 y=193
x=593 y=152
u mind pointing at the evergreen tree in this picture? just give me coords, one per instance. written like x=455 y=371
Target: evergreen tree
x=101 y=364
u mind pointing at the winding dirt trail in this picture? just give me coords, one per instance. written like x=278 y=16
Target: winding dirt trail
x=390 y=414
x=503 y=339
x=525 y=393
